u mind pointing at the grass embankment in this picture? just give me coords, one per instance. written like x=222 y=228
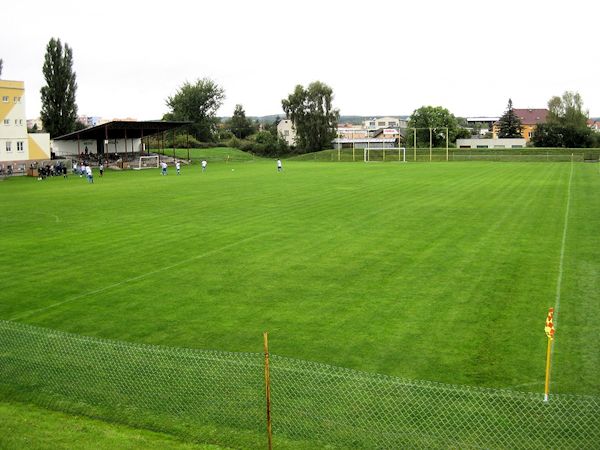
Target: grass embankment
x=217 y=154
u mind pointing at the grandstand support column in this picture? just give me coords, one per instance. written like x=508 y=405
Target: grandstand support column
x=105 y=140
x=141 y=140
x=173 y=143
x=125 y=142
x=187 y=142
x=79 y=146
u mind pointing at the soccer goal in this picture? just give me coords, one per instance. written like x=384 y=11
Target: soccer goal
x=148 y=162
x=380 y=154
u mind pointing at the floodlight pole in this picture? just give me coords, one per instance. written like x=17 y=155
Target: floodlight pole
x=415 y=142
x=430 y=144
x=446 y=143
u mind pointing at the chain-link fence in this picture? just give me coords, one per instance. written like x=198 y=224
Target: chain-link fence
x=219 y=397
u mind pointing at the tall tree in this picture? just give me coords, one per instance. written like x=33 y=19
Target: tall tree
x=566 y=124
x=198 y=103
x=59 y=110
x=313 y=116
x=239 y=124
x=510 y=124
x=1 y=64
x=438 y=119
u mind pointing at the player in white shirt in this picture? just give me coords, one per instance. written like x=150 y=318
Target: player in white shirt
x=178 y=167
x=90 y=174
x=163 y=165
x=204 y=163
x=279 y=166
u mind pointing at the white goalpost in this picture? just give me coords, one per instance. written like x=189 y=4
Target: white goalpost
x=381 y=154
x=147 y=162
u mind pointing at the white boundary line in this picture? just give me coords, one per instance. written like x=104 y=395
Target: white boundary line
x=561 y=261
x=139 y=277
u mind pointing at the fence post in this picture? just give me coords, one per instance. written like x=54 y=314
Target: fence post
x=268 y=389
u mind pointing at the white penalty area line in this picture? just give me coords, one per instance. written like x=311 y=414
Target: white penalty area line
x=139 y=277
x=562 y=258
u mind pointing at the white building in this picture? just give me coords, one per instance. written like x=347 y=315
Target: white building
x=491 y=143
x=285 y=129
x=384 y=122
x=17 y=147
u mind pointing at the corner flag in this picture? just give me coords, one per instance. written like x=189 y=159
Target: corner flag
x=549 y=329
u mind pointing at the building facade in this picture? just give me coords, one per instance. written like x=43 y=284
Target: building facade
x=285 y=129
x=17 y=147
x=530 y=119
x=491 y=143
x=384 y=122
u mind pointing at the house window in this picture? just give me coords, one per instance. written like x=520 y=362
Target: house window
x=371 y=124
x=498 y=146
x=286 y=132
x=517 y=146
x=482 y=146
x=5 y=98
x=20 y=146
x=6 y=121
x=381 y=124
x=17 y=99
x=8 y=146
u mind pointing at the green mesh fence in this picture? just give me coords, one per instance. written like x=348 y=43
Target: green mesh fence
x=218 y=397
x=455 y=154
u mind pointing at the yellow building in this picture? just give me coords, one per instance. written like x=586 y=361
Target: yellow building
x=530 y=118
x=18 y=148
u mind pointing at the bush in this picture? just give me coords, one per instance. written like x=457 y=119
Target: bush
x=183 y=141
x=262 y=143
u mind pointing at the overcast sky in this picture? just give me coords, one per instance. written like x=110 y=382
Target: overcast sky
x=380 y=58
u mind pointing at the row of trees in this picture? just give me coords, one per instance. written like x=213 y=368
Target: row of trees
x=566 y=124
x=310 y=109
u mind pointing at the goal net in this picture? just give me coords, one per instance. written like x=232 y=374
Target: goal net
x=385 y=154
x=148 y=162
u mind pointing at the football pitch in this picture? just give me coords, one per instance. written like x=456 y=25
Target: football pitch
x=441 y=271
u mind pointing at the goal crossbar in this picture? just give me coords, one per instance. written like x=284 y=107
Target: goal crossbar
x=147 y=162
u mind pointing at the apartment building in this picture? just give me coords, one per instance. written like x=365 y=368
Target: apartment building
x=17 y=147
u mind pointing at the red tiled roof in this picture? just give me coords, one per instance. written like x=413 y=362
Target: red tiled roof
x=531 y=116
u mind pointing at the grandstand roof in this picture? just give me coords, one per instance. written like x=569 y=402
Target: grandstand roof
x=117 y=129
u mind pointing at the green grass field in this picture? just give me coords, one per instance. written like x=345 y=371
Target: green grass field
x=439 y=272
x=32 y=427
